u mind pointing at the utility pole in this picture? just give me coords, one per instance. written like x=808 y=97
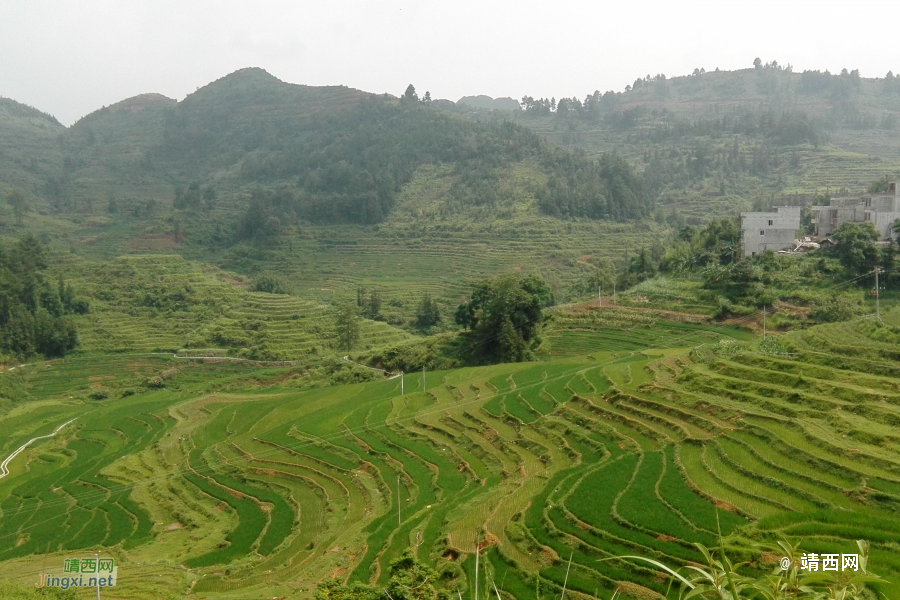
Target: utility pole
x=566 y=580
x=97 y=559
x=764 y=322
x=423 y=378
x=600 y=295
x=477 y=543
x=398 y=499
x=877 y=296
x=401 y=383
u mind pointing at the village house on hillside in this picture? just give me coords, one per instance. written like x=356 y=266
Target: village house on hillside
x=879 y=209
x=761 y=231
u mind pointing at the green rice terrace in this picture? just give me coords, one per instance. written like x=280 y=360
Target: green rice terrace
x=234 y=481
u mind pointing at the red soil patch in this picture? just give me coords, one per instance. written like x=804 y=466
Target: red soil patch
x=726 y=506
x=548 y=555
x=489 y=540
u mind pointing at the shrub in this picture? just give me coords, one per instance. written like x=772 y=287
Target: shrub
x=155 y=382
x=270 y=284
x=835 y=308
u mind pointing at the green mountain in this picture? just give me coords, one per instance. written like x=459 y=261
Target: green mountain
x=713 y=142
x=30 y=153
x=201 y=250
x=334 y=155
x=332 y=188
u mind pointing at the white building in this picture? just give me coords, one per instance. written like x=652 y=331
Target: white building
x=761 y=231
x=879 y=209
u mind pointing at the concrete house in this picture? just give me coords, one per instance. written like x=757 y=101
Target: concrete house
x=761 y=231
x=879 y=209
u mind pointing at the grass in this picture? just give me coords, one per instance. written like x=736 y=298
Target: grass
x=619 y=452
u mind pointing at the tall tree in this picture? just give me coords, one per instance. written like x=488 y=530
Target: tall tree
x=504 y=318
x=854 y=246
x=33 y=311
x=16 y=200
x=346 y=326
x=428 y=314
x=373 y=304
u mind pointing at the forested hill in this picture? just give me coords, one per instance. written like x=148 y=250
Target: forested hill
x=714 y=142
x=254 y=154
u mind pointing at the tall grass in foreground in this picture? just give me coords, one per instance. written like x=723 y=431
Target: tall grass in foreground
x=719 y=577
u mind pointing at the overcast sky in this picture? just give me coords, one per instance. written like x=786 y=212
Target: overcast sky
x=70 y=57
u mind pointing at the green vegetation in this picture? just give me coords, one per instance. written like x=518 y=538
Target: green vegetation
x=219 y=445
x=504 y=317
x=34 y=312
x=714 y=141
x=346 y=327
x=646 y=446
x=718 y=577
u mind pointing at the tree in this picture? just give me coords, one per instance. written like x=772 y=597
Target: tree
x=409 y=580
x=192 y=195
x=879 y=185
x=428 y=314
x=16 y=200
x=757 y=63
x=33 y=311
x=209 y=196
x=854 y=247
x=504 y=318
x=373 y=304
x=410 y=94
x=427 y=97
x=887 y=263
x=346 y=326
x=270 y=284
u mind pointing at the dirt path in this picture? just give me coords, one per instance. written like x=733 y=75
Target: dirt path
x=4 y=471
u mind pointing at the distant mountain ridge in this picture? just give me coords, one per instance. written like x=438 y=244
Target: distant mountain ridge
x=248 y=154
x=270 y=154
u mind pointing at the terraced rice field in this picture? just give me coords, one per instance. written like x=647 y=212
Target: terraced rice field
x=617 y=451
x=163 y=303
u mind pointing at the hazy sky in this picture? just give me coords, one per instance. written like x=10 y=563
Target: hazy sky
x=69 y=57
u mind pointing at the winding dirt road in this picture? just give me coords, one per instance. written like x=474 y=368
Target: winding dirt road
x=4 y=471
